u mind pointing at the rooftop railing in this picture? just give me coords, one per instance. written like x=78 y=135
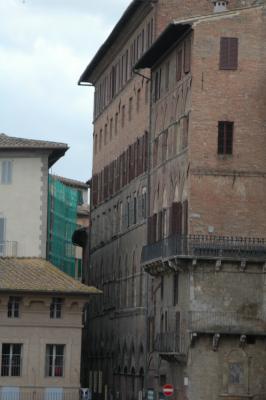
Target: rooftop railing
x=8 y=249
x=205 y=246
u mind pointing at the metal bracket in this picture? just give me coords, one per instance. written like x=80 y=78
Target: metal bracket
x=215 y=341
x=243 y=341
x=243 y=265
x=218 y=265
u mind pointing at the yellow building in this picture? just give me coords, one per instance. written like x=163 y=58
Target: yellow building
x=40 y=330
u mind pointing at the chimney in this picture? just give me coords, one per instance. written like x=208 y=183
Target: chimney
x=220 y=5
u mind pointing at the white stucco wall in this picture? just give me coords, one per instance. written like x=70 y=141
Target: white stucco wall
x=23 y=203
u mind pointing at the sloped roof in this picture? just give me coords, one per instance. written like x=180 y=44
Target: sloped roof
x=55 y=149
x=36 y=275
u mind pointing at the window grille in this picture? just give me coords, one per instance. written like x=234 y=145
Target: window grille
x=11 y=359
x=55 y=360
x=56 y=308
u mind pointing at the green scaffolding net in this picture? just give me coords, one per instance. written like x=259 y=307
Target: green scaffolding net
x=62 y=222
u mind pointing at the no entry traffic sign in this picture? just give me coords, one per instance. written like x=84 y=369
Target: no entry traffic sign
x=168 y=390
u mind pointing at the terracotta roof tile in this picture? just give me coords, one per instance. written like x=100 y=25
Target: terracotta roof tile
x=38 y=275
x=15 y=142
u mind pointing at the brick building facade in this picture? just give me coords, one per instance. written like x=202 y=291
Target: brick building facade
x=156 y=173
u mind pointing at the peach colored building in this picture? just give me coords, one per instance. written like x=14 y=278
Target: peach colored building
x=40 y=330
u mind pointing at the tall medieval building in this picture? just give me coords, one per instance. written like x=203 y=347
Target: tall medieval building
x=177 y=219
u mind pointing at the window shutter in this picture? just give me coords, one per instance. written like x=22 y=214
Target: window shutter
x=185 y=216
x=187 y=55
x=229 y=138
x=154 y=228
x=2 y=233
x=149 y=228
x=228 y=53
x=127 y=164
x=220 y=138
x=176 y=221
x=94 y=190
x=179 y=64
x=136 y=158
x=145 y=152
x=160 y=225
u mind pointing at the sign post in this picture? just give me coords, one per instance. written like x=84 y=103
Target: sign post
x=168 y=390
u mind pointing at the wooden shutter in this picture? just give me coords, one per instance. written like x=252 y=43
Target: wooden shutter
x=225 y=137
x=155 y=152
x=228 y=53
x=95 y=190
x=154 y=228
x=127 y=164
x=160 y=226
x=105 y=177
x=145 y=152
x=176 y=221
x=179 y=64
x=149 y=233
x=187 y=55
x=185 y=217
x=136 y=158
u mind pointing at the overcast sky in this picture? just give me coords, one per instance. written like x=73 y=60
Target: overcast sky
x=44 y=47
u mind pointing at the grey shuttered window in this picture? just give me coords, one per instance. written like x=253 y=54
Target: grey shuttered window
x=6 y=172
x=229 y=53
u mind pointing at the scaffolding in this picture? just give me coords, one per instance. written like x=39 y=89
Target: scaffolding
x=62 y=222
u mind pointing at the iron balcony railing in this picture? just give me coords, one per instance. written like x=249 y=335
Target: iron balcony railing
x=227 y=322
x=168 y=342
x=201 y=246
x=8 y=249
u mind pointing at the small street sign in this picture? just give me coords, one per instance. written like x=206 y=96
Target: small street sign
x=168 y=390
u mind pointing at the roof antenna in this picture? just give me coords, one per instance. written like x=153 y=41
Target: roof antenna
x=220 y=5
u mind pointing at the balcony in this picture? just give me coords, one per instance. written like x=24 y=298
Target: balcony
x=170 y=346
x=202 y=247
x=8 y=249
x=208 y=322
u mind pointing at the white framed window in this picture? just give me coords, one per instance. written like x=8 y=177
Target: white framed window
x=13 y=307
x=54 y=363
x=6 y=172
x=11 y=360
x=56 y=308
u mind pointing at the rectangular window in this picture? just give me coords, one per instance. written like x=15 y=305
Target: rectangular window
x=13 y=307
x=187 y=55
x=105 y=134
x=138 y=100
x=228 y=53
x=56 y=308
x=157 y=85
x=179 y=63
x=167 y=75
x=111 y=128
x=175 y=288
x=225 y=137
x=54 y=366
x=11 y=359
x=6 y=172
x=116 y=123
x=130 y=107
x=123 y=116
